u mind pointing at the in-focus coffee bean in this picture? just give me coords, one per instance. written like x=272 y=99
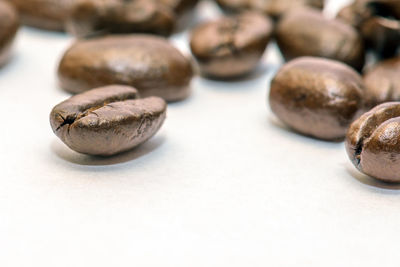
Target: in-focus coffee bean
x=149 y=63
x=44 y=14
x=9 y=24
x=93 y=17
x=372 y=142
x=231 y=46
x=306 y=32
x=274 y=8
x=383 y=82
x=317 y=97
x=108 y=120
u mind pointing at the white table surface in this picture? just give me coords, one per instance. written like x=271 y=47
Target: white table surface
x=222 y=184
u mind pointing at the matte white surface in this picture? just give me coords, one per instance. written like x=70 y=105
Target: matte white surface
x=222 y=184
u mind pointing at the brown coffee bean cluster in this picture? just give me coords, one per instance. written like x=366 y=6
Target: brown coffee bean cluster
x=323 y=90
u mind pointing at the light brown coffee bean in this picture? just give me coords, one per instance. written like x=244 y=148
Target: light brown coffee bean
x=9 y=24
x=44 y=14
x=317 y=97
x=383 y=82
x=306 y=32
x=149 y=63
x=108 y=120
x=231 y=46
x=94 y=17
x=372 y=142
x=274 y=8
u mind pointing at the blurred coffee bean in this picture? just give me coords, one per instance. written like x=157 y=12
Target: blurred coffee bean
x=378 y=22
x=148 y=63
x=274 y=8
x=231 y=46
x=9 y=23
x=44 y=14
x=306 y=32
x=383 y=82
x=317 y=97
x=94 y=17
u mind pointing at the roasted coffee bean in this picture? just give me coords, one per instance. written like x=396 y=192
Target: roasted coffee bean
x=231 y=46
x=378 y=22
x=94 y=17
x=44 y=14
x=383 y=82
x=9 y=24
x=372 y=142
x=274 y=8
x=149 y=63
x=317 y=97
x=179 y=6
x=305 y=32
x=108 y=120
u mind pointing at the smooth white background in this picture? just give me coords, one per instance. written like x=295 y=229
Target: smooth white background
x=222 y=184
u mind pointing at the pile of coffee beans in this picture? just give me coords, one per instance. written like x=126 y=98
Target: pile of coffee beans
x=123 y=70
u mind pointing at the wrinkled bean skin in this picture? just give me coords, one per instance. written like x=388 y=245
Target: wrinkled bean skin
x=274 y=8
x=100 y=17
x=108 y=120
x=305 y=32
x=44 y=14
x=9 y=24
x=317 y=97
x=383 y=82
x=372 y=142
x=231 y=46
x=148 y=63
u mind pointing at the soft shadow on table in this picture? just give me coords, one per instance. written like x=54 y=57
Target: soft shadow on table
x=234 y=83
x=281 y=126
x=63 y=152
x=367 y=180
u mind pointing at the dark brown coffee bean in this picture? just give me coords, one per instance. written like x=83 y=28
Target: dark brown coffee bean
x=274 y=8
x=44 y=14
x=305 y=32
x=231 y=46
x=94 y=17
x=317 y=97
x=108 y=120
x=383 y=82
x=149 y=63
x=179 y=6
x=372 y=142
x=378 y=22
x=9 y=24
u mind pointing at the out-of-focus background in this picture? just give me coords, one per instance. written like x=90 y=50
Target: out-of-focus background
x=222 y=184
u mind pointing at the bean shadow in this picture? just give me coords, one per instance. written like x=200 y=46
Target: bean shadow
x=63 y=152
x=236 y=83
x=372 y=182
x=276 y=123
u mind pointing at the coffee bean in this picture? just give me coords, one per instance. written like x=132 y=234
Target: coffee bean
x=372 y=142
x=9 y=26
x=274 y=8
x=378 y=23
x=45 y=14
x=305 y=32
x=383 y=82
x=179 y=6
x=317 y=97
x=108 y=120
x=93 y=17
x=231 y=46
x=149 y=63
